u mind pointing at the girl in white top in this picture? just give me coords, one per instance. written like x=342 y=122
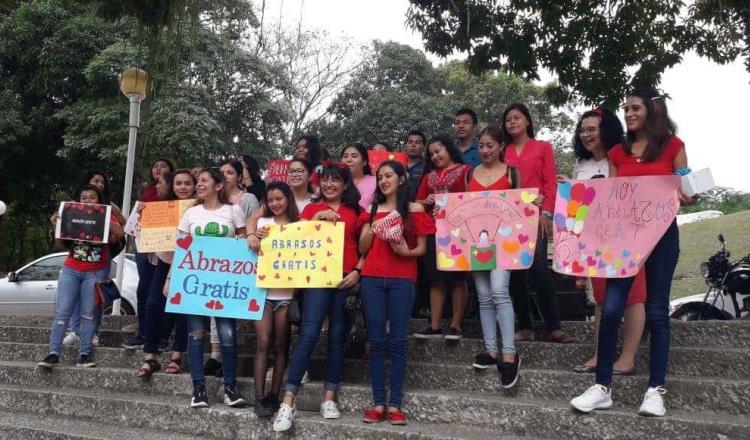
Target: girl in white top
x=279 y=209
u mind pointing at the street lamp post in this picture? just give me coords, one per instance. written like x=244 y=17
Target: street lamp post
x=133 y=85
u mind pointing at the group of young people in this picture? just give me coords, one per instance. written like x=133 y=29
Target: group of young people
x=391 y=275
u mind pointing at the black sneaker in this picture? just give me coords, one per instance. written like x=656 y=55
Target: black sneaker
x=134 y=343
x=484 y=361
x=453 y=334
x=429 y=333
x=200 y=398
x=273 y=401
x=49 y=361
x=86 y=361
x=232 y=397
x=509 y=372
x=263 y=408
x=213 y=368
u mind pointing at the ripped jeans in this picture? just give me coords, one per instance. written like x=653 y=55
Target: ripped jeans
x=198 y=328
x=76 y=287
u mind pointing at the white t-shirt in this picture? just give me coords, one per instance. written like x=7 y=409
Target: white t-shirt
x=277 y=293
x=302 y=203
x=588 y=168
x=222 y=222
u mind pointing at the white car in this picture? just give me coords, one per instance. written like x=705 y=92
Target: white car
x=32 y=289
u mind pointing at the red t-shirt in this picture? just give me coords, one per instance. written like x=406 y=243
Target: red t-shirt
x=85 y=256
x=382 y=261
x=629 y=165
x=536 y=164
x=499 y=184
x=149 y=194
x=351 y=231
x=442 y=181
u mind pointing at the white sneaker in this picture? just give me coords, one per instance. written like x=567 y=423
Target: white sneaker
x=130 y=328
x=596 y=397
x=284 y=417
x=71 y=339
x=329 y=410
x=95 y=341
x=653 y=403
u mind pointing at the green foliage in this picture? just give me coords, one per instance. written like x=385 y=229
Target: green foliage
x=721 y=199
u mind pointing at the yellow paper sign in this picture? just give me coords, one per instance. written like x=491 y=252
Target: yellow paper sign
x=302 y=255
x=159 y=221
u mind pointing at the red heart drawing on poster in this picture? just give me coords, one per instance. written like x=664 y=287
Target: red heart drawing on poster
x=176 y=298
x=218 y=305
x=253 y=306
x=441 y=214
x=528 y=211
x=523 y=238
x=211 y=304
x=317 y=227
x=312 y=254
x=455 y=250
x=261 y=277
x=185 y=242
x=276 y=276
x=577 y=268
x=484 y=256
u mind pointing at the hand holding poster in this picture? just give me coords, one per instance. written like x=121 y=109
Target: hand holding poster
x=303 y=254
x=214 y=276
x=608 y=227
x=486 y=230
x=277 y=170
x=375 y=158
x=83 y=221
x=159 y=222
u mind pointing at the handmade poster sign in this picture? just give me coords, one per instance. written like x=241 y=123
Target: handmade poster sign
x=277 y=170
x=158 y=225
x=302 y=255
x=375 y=158
x=83 y=221
x=608 y=227
x=214 y=276
x=486 y=230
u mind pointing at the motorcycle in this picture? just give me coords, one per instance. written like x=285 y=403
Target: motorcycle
x=725 y=279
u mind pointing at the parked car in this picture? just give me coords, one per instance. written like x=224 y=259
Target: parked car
x=32 y=289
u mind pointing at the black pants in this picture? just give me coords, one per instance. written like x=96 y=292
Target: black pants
x=539 y=274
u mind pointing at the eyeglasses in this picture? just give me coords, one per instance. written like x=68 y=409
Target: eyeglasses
x=588 y=130
x=296 y=171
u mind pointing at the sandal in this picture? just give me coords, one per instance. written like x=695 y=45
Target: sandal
x=149 y=367
x=174 y=367
x=560 y=337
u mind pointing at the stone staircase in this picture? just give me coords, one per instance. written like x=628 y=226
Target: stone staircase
x=708 y=398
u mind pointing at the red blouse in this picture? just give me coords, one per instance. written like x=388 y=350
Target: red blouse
x=149 y=194
x=536 y=164
x=499 y=184
x=629 y=165
x=351 y=229
x=442 y=181
x=382 y=261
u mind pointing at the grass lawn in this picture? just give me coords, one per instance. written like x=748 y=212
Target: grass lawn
x=698 y=242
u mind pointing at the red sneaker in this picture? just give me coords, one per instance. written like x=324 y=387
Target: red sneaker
x=372 y=415
x=396 y=417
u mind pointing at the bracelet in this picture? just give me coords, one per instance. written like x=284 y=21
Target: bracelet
x=684 y=171
x=358 y=270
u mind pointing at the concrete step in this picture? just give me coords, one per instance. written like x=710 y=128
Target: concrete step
x=450 y=415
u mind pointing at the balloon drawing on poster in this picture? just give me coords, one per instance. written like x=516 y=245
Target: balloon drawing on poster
x=486 y=230
x=608 y=227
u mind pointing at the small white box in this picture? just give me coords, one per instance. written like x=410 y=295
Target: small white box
x=697 y=182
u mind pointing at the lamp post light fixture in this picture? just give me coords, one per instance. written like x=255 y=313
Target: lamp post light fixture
x=133 y=83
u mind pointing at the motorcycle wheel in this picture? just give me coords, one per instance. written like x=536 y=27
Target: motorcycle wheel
x=699 y=312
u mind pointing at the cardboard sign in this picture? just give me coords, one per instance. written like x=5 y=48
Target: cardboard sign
x=83 y=221
x=486 y=230
x=375 y=158
x=608 y=227
x=214 y=276
x=302 y=255
x=277 y=170
x=158 y=225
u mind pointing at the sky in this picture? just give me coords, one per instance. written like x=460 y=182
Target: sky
x=709 y=101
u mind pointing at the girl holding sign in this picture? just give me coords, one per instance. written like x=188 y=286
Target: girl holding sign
x=355 y=157
x=392 y=237
x=650 y=149
x=213 y=215
x=279 y=209
x=339 y=201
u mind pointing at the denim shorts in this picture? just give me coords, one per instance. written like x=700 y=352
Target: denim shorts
x=276 y=304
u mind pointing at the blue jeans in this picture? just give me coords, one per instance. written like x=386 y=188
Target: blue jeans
x=75 y=319
x=73 y=287
x=495 y=308
x=145 y=273
x=198 y=327
x=387 y=300
x=318 y=304
x=659 y=267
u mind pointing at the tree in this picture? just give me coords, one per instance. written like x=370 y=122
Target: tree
x=596 y=48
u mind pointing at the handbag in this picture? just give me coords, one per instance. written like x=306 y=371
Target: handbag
x=106 y=291
x=389 y=228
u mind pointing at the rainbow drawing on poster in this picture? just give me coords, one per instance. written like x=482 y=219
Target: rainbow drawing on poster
x=486 y=230
x=608 y=227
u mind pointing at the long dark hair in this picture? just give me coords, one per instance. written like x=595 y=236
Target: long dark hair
x=105 y=194
x=169 y=179
x=291 y=207
x=253 y=167
x=403 y=194
x=659 y=127
x=350 y=197
x=362 y=152
x=314 y=153
x=524 y=111
x=446 y=142
x=89 y=187
x=237 y=165
x=169 y=162
x=309 y=167
x=610 y=132
x=216 y=175
x=496 y=133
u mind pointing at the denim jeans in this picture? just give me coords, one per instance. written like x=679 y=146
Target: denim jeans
x=74 y=322
x=198 y=327
x=387 y=300
x=541 y=276
x=145 y=273
x=73 y=287
x=318 y=304
x=154 y=324
x=659 y=267
x=495 y=308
